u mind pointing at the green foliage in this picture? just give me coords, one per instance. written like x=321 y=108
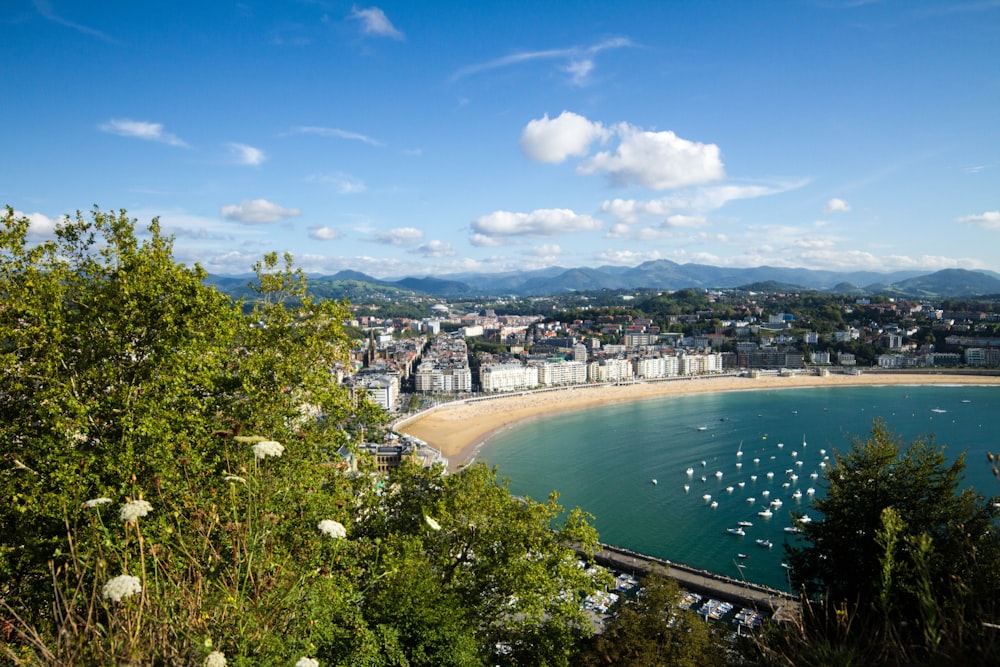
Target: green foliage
x=652 y=630
x=902 y=557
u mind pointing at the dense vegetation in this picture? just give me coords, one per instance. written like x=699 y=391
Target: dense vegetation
x=178 y=487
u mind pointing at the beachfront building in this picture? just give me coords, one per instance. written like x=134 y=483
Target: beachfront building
x=982 y=356
x=511 y=376
x=656 y=367
x=559 y=372
x=610 y=370
x=445 y=367
x=382 y=389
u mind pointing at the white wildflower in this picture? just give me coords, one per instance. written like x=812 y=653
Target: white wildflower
x=120 y=587
x=215 y=659
x=432 y=523
x=94 y=502
x=131 y=511
x=266 y=448
x=332 y=528
x=234 y=478
x=306 y=662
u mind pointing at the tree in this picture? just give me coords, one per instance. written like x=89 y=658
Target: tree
x=652 y=630
x=900 y=546
x=515 y=573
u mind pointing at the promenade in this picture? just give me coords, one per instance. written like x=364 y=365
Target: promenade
x=781 y=605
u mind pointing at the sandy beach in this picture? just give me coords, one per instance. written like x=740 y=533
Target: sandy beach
x=459 y=429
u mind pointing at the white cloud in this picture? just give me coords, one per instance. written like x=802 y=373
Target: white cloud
x=626 y=257
x=401 y=236
x=988 y=220
x=323 y=233
x=579 y=66
x=700 y=200
x=40 y=224
x=344 y=184
x=544 y=250
x=545 y=140
x=657 y=160
x=258 y=211
x=688 y=221
x=335 y=133
x=245 y=154
x=435 y=249
x=375 y=22
x=484 y=241
x=837 y=205
x=140 y=129
x=45 y=10
x=541 y=222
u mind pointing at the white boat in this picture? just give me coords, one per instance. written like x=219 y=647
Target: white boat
x=810 y=491
x=738 y=465
x=739 y=450
x=776 y=503
x=766 y=513
x=797 y=494
x=786 y=485
x=765 y=543
x=813 y=475
x=753 y=478
x=822 y=452
x=756 y=460
x=770 y=475
x=736 y=531
x=780 y=445
x=714 y=504
x=689 y=471
x=741 y=484
x=703 y=427
x=794 y=477
x=729 y=489
x=765 y=493
x=655 y=482
x=805 y=518
x=745 y=524
x=718 y=473
x=687 y=487
x=794 y=454
x=707 y=497
x=792 y=529
x=798 y=464
x=938 y=410
x=751 y=500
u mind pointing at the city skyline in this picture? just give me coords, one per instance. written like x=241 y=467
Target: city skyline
x=412 y=139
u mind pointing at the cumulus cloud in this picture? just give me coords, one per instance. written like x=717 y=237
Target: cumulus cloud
x=40 y=224
x=485 y=241
x=541 y=222
x=139 y=129
x=323 y=233
x=987 y=220
x=335 y=133
x=554 y=140
x=656 y=160
x=258 y=211
x=245 y=154
x=401 y=236
x=837 y=205
x=545 y=250
x=374 y=22
x=435 y=249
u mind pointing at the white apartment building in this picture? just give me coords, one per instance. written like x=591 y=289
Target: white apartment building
x=609 y=370
x=555 y=373
x=656 y=367
x=381 y=389
x=508 y=377
x=434 y=378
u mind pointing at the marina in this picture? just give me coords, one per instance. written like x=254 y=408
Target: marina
x=592 y=459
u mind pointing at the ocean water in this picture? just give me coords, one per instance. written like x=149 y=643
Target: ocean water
x=604 y=461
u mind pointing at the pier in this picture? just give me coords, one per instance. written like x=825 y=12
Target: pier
x=781 y=605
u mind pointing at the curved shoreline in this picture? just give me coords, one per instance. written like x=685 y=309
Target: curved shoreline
x=459 y=429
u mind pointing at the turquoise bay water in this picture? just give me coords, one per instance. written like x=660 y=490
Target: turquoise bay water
x=604 y=460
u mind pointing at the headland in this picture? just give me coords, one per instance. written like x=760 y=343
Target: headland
x=459 y=428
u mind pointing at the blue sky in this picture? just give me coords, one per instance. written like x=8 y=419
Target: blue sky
x=431 y=138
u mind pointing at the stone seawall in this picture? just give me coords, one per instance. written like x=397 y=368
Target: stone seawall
x=782 y=605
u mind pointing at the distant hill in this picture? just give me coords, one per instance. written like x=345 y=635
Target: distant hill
x=659 y=274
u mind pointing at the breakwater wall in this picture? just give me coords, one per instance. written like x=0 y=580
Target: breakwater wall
x=780 y=604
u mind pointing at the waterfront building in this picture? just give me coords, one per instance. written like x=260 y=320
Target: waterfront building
x=511 y=376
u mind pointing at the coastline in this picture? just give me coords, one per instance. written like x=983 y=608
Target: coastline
x=458 y=430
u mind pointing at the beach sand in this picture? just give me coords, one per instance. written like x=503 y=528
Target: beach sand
x=459 y=429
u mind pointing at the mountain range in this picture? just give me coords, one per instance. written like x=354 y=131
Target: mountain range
x=659 y=274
